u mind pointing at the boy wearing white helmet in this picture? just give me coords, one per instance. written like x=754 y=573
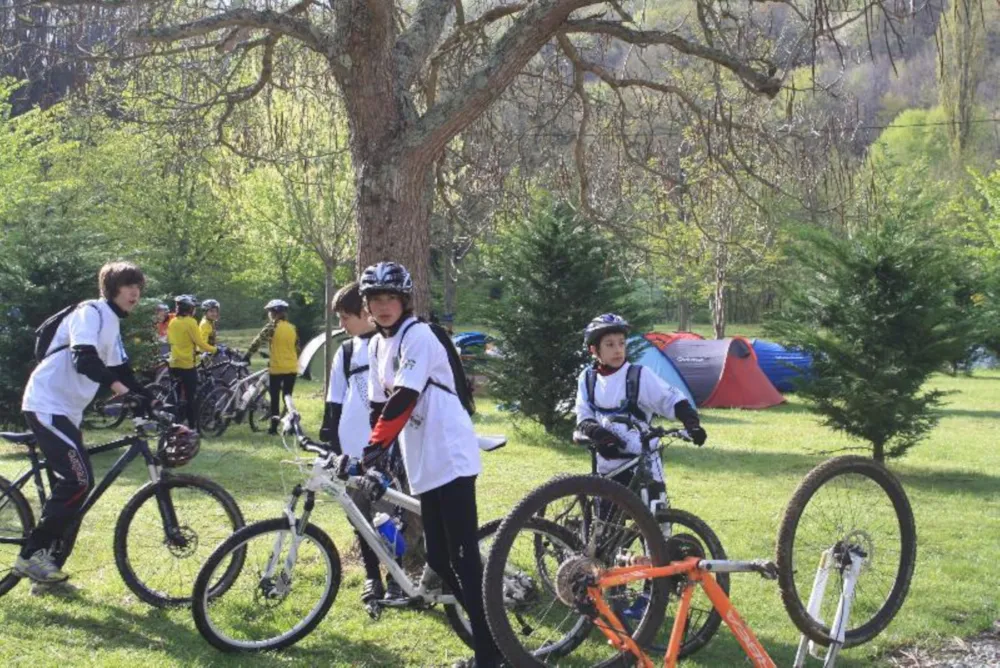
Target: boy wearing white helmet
x=413 y=398
x=604 y=405
x=282 y=340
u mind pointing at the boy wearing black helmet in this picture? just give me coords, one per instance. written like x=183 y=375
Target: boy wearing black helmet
x=412 y=395
x=185 y=341
x=603 y=405
x=282 y=340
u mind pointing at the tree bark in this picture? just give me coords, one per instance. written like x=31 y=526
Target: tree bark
x=878 y=452
x=327 y=326
x=683 y=315
x=719 y=296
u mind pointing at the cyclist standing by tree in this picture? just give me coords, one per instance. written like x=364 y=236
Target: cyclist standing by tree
x=185 y=341
x=346 y=425
x=282 y=340
x=85 y=353
x=210 y=321
x=412 y=394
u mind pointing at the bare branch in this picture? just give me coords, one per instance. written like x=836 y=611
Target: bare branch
x=767 y=83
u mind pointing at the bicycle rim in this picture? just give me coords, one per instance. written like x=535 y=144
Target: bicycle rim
x=540 y=628
x=161 y=569
x=16 y=521
x=848 y=504
x=277 y=598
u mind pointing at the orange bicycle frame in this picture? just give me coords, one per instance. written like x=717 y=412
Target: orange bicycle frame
x=697 y=575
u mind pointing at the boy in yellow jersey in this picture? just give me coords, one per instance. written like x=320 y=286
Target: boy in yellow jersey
x=283 y=345
x=210 y=321
x=185 y=341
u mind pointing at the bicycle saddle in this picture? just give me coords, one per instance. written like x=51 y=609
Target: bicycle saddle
x=25 y=438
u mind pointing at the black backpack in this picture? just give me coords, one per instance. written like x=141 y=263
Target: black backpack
x=632 y=376
x=348 y=347
x=463 y=388
x=47 y=331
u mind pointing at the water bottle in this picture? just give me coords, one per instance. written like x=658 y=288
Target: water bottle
x=246 y=396
x=391 y=534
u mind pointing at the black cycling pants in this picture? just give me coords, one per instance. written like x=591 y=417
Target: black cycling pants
x=450 y=526
x=280 y=385
x=188 y=381
x=70 y=474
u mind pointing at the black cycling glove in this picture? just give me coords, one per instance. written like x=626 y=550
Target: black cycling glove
x=688 y=417
x=608 y=444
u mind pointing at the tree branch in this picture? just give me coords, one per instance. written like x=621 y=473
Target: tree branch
x=275 y=22
x=767 y=84
x=414 y=46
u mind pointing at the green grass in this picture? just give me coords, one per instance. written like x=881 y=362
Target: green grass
x=738 y=483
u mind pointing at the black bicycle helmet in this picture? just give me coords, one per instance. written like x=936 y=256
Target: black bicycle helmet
x=178 y=446
x=385 y=277
x=606 y=323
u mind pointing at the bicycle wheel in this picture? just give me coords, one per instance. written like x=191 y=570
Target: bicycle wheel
x=259 y=412
x=211 y=420
x=16 y=522
x=615 y=527
x=521 y=590
x=279 y=597
x=848 y=505
x=105 y=412
x=161 y=569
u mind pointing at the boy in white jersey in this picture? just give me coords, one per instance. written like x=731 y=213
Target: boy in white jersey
x=602 y=405
x=412 y=394
x=346 y=418
x=85 y=353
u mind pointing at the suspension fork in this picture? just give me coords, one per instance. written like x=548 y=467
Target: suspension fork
x=298 y=530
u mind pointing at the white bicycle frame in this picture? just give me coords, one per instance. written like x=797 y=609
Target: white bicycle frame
x=838 y=630
x=258 y=380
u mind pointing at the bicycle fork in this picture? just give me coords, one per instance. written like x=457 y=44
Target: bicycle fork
x=852 y=569
x=277 y=586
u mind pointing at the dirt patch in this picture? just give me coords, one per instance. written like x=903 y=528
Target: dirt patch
x=979 y=651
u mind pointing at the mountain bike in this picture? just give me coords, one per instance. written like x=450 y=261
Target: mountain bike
x=702 y=621
x=850 y=514
x=163 y=531
x=292 y=572
x=243 y=398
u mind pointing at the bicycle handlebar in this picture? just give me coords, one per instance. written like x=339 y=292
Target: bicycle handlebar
x=647 y=437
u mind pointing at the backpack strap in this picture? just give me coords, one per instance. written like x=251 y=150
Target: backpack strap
x=399 y=354
x=348 y=348
x=100 y=326
x=591 y=383
x=632 y=378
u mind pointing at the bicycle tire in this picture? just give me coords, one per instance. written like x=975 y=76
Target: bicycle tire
x=459 y=623
x=813 y=628
x=211 y=423
x=11 y=499
x=522 y=514
x=259 y=414
x=96 y=416
x=145 y=591
x=203 y=598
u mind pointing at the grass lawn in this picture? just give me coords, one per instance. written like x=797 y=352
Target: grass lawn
x=738 y=483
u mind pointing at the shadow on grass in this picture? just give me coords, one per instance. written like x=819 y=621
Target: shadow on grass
x=119 y=628
x=964 y=412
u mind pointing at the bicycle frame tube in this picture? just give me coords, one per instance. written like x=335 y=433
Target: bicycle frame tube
x=699 y=573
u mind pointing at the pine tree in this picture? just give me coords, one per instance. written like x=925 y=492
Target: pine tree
x=879 y=316
x=558 y=273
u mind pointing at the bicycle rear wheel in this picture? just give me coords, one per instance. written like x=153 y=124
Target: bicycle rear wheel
x=16 y=522
x=211 y=419
x=614 y=526
x=161 y=568
x=259 y=413
x=279 y=596
x=848 y=505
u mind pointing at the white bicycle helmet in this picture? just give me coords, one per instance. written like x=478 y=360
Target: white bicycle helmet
x=385 y=277
x=276 y=305
x=606 y=323
x=210 y=303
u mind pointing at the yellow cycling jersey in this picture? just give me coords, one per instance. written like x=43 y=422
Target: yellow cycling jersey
x=283 y=348
x=208 y=331
x=185 y=341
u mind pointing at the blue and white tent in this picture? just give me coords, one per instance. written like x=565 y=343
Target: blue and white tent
x=655 y=360
x=781 y=365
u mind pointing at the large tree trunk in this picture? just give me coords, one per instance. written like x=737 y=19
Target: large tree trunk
x=683 y=315
x=393 y=219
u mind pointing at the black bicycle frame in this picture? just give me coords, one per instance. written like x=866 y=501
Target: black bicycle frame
x=138 y=446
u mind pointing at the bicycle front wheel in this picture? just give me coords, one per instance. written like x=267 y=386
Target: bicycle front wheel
x=283 y=592
x=613 y=527
x=16 y=522
x=848 y=506
x=160 y=563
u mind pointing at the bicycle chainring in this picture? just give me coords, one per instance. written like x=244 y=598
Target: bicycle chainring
x=573 y=577
x=682 y=546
